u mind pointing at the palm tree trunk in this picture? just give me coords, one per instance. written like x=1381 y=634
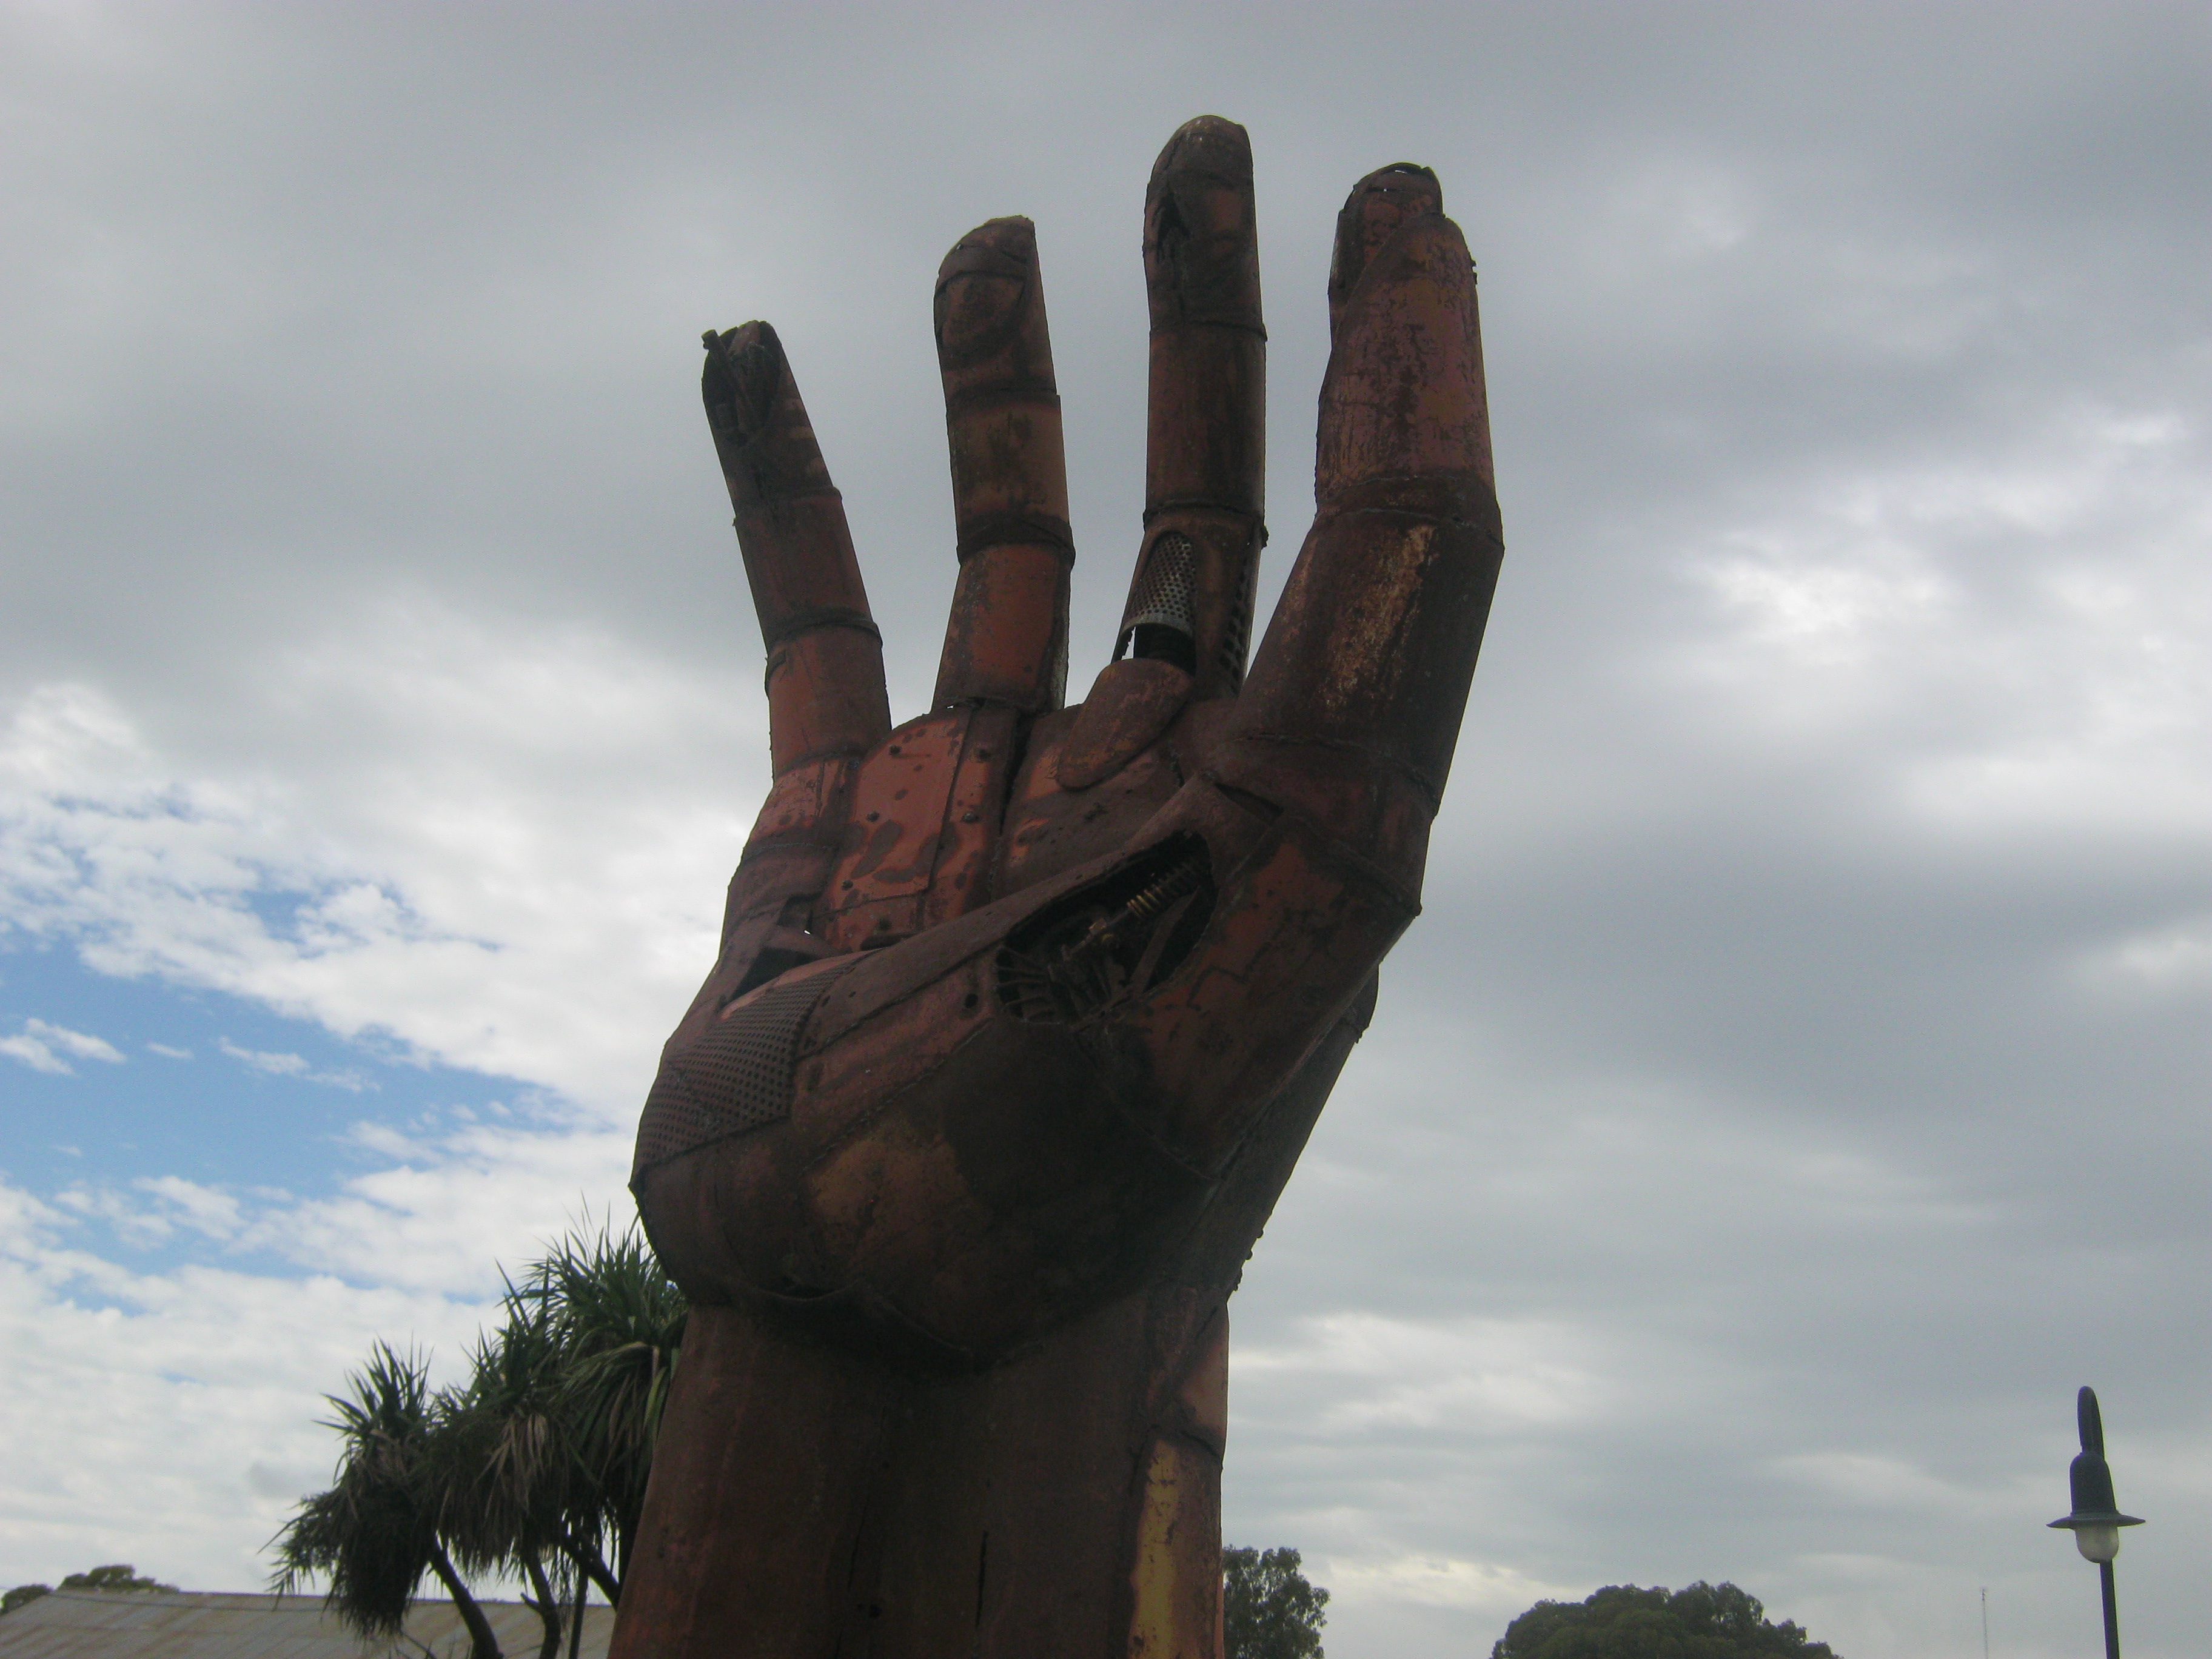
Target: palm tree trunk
x=576 y=1628
x=588 y=1560
x=483 y=1645
x=548 y=1605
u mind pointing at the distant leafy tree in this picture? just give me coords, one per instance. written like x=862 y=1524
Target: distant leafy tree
x=119 y=1576
x=1621 y=1621
x=122 y=1576
x=1268 y=1610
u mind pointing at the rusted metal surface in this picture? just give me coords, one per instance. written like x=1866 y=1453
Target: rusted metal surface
x=153 y=1624
x=957 y=1378
x=1131 y=704
x=1205 y=454
x=825 y=671
x=1007 y=641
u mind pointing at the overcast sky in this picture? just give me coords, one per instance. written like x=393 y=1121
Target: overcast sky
x=1797 y=1085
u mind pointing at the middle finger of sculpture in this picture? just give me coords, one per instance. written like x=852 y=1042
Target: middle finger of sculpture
x=1022 y=1013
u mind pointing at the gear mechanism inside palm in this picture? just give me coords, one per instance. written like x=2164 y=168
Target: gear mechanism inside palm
x=1005 y=993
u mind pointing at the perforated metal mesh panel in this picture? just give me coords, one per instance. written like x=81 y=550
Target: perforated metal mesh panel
x=1168 y=598
x=736 y=1078
x=1234 y=634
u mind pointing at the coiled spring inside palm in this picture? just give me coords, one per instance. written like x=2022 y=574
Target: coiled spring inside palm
x=1100 y=947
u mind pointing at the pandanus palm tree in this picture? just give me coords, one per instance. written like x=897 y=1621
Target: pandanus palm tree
x=374 y=1534
x=535 y=1467
x=507 y=1484
x=546 y=1451
x=621 y=1321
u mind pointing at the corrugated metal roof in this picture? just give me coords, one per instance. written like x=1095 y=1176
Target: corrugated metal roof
x=158 y=1625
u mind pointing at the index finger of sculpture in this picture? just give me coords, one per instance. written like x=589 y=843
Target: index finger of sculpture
x=825 y=658
x=1190 y=596
x=1006 y=641
x=1353 y=705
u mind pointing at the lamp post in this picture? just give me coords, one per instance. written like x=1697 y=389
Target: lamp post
x=2096 y=1519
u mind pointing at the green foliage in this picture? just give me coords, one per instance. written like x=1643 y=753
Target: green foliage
x=119 y=1576
x=1268 y=1610
x=374 y=1535
x=536 y=1465
x=505 y=1491
x=122 y=1576
x=1621 y=1621
x=620 y=1322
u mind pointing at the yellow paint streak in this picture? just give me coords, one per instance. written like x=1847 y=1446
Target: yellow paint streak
x=1177 y=1576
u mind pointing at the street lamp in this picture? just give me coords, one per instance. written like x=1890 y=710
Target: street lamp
x=2096 y=1519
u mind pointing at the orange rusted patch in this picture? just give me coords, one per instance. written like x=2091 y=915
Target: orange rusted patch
x=924 y=819
x=899 y=803
x=802 y=799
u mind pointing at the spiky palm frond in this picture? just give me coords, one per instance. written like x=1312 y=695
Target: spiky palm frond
x=371 y=1535
x=506 y=1479
x=533 y=1467
x=621 y=1320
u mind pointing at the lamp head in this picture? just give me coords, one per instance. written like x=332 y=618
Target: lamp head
x=2096 y=1519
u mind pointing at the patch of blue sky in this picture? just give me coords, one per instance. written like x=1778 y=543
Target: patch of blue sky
x=301 y=917
x=278 y=909
x=107 y=1083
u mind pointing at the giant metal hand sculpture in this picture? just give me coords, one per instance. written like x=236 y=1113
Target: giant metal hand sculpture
x=1022 y=1013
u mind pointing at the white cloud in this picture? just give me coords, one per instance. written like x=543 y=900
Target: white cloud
x=1482 y=1587
x=2172 y=959
x=440 y=917
x=179 y=1409
x=288 y=1064
x=166 y=1205
x=74 y=1042
x=1875 y=1481
x=37 y=1044
x=1483 y=1374
x=204 y=1209
x=192 y=1393
x=1834 y=614
x=454 y=902
x=2016 y=639
x=34 y=1055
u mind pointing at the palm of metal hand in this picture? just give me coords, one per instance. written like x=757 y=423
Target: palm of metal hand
x=1006 y=994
